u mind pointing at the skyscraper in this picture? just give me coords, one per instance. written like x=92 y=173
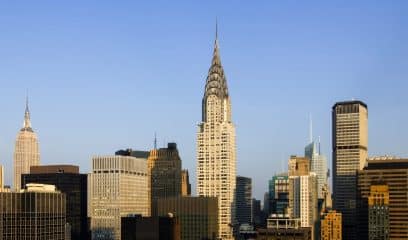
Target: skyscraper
x=302 y=193
x=244 y=200
x=318 y=165
x=69 y=181
x=392 y=172
x=117 y=186
x=278 y=194
x=216 y=157
x=26 y=152
x=37 y=212
x=350 y=140
x=185 y=183
x=164 y=168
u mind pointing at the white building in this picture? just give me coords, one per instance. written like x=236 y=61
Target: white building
x=216 y=151
x=117 y=186
x=26 y=152
x=318 y=165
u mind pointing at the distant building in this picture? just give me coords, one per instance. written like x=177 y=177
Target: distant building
x=36 y=213
x=331 y=226
x=350 y=142
x=138 y=227
x=303 y=193
x=282 y=227
x=378 y=213
x=185 y=183
x=392 y=172
x=164 y=169
x=279 y=194
x=256 y=212
x=244 y=200
x=198 y=216
x=318 y=165
x=117 y=186
x=26 y=152
x=132 y=153
x=67 y=180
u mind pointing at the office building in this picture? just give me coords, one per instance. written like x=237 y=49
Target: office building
x=244 y=200
x=303 y=193
x=216 y=150
x=392 y=172
x=185 y=183
x=318 y=165
x=26 y=152
x=36 y=213
x=137 y=227
x=278 y=194
x=117 y=186
x=378 y=212
x=256 y=212
x=330 y=227
x=350 y=142
x=198 y=215
x=164 y=169
x=69 y=181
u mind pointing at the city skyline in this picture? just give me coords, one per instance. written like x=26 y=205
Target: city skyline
x=74 y=97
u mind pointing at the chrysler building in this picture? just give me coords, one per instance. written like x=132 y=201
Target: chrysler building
x=216 y=153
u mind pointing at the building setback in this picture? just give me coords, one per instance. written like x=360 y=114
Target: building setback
x=198 y=216
x=164 y=169
x=117 y=187
x=244 y=200
x=216 y=150
x=350 y=141
x=26 y=152
x=150 y=228
x=69 y=181
x=392 y=172
x=36 y=213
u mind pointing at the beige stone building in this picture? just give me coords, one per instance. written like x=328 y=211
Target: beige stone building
x=303 y=193
x=164 y=169
x=26 y=152
x=330 y=227
x=350 y=141
x=117 y=186
x=216 y=150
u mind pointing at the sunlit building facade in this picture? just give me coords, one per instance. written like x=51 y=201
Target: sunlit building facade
x=117 y=186
x=26 y=152
x=216 y=150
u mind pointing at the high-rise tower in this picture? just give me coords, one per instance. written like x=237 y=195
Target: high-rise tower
x=350 y=139
x=216 y=173
x=26 y=152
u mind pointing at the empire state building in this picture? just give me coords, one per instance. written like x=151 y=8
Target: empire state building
x=26 y=152
x=216 y=151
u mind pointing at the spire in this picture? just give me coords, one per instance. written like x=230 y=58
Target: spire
x=310 y=128
x=216 y=30
x=27 y=121
x=155 y=141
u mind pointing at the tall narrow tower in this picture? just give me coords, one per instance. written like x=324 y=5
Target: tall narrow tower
x=216 y=171
x=26 y=152
x=350 y=140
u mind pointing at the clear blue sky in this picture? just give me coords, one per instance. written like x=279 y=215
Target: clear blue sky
x=105 y=75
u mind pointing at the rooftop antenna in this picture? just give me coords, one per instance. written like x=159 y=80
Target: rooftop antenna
x=155 y=141
x=319 y=145
x=310 y=128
